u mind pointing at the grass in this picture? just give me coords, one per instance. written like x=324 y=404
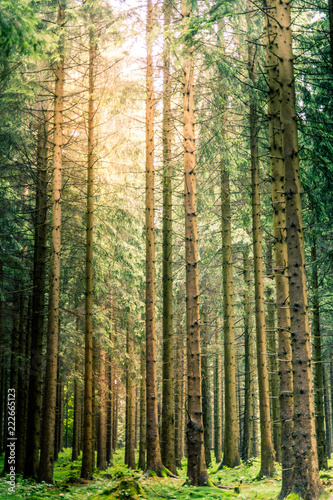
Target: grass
x=239 y=483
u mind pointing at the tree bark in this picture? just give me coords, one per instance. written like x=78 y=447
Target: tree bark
x=217 y=398
x=267 y=450
x=154 y=461
x=318 y=366
x=305 y=478
x=206 y=406
x=196 y=470
x=231 y=456
x=88 y=434
x=101 y=429
x=280 y=250
x=45 y=471
x=247 y=443
x=77 y=411
x=168 y=413
x=142 y=443
x=130 y=401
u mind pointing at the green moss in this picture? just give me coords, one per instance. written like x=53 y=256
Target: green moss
x=293 y=496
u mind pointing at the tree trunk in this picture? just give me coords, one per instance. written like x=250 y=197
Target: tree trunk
x=38 y=300
x=168 y=416
x=318 y=366
x=305 y=478
x=217 y=399
x=23 y=388
x=196 y=471
x=328 y=416
x=267 y=450
x=11 y=394
x=205 y=390
x=109 y=437
x=280 y=250
x=247 y=443
x=88 y=426
x=45 y=471
x=231 y=436
x=154 y=461
x=101 y=429
x=142 y=443
x=77 y=411
x=130 y=401
x=272 y=359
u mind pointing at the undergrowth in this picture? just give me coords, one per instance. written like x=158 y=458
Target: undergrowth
x=119 y=482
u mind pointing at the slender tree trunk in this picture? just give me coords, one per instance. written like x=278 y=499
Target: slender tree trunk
x=247 y=443
x=318 y=367
x=115 y=415
x=178 y=394
x=306 y=477
x=45 y=471
x=205 y=390
x=101 y=429
x=154 y=461
x=109 y=437
x=280 y=250
x=267 y=450
x=272 y=360
x=217 y=399
x=88 y=427
x=38 y=300
x=142 y=443
x=196 y=471
x=130 y=401
x=11 y=393
x=231 y=436
x=23 y=388
x=328 y=416
x=168 y=416
x=77 y=411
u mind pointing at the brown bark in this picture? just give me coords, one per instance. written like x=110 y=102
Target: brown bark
x=217 y=399
x=272 y=356
x=306 y=478
x=77 y=412
x=45 y=471
x=142 y=442
x=328 y=416
x=168 y=417
x=38 y=300
x=130 y=400
x=196 y=471
x=23 y=388
x=110 y=378
x=206 y=406
x=88 y=432
x=267 y=450
x=318 y=366
x=154 y=461
x=101 y=420
x=231 y=456
x=247 y=442
x=280 y=250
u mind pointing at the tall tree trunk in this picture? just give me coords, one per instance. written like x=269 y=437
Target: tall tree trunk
x=168 y=413
x=115 y=414
x=231 y=436
x=88 y=427
x=318 y=366
x=272 y=359
x=154 y=461
x=280 y=250
x=217 y=398
x=196 y=470
x=130 y=401
x=247 y=443
x=267 y=450
x=23 y=388
x=45 y=471
x=38 y=300
x=109 y=436
x=328 y=416
x=77 y=410
x=306 y=477
x=11 y=394
x=142 y=441
x=206 y=406
x=101 y=429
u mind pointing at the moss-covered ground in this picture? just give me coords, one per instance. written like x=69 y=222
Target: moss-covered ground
x=120 y=483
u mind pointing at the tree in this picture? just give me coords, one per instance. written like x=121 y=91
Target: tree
x=45 y=471
x=196 y=469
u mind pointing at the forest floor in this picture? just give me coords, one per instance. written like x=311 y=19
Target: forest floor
x=120 y=483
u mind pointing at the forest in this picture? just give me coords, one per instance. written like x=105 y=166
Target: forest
x=166 y=249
